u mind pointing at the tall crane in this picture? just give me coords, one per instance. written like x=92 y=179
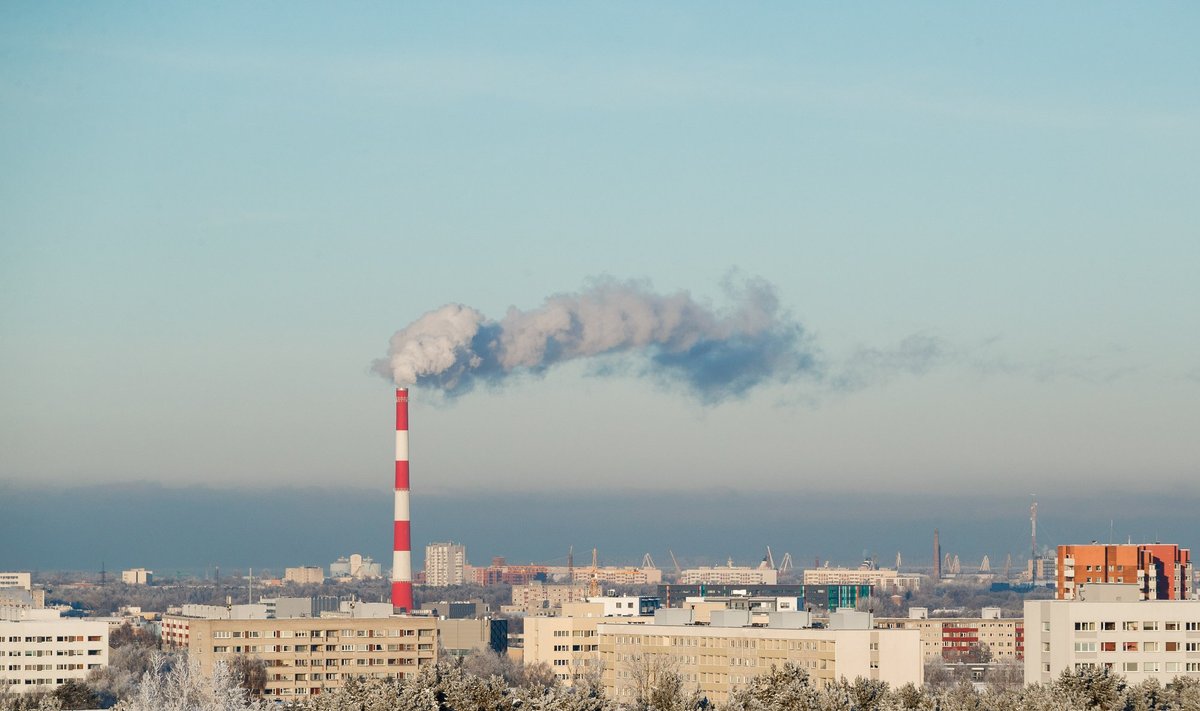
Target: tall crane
x=648 y=562
x=786 y=564
x=675 y=562
x=770 y=559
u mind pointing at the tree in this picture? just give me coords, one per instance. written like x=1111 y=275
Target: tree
x=182 y=687
x=786 y=688
x=75 y=694
x=250 y=673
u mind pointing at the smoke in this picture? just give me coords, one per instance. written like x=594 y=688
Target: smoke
x=669 y=337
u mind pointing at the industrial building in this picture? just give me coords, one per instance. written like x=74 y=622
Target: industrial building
x=883 y=580
x=1109 y=627
x=1161 y=571
x=137 y=576
x=673 y=595
x=355 y=566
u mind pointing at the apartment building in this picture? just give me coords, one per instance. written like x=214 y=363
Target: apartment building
x=568 y=644
x=538 y=598
x=1161 y=571
x=307 y=656
x=16 y=580
x=39 y=650
x=952 y=638
x=137 y=576
x=305 y=575
x=729 y=575
x=617 y=575
x=717 y=659
x=1112 y=629
x=445 y=564
x=882 y=579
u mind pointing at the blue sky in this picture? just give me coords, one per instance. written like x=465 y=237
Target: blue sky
x=213 y=217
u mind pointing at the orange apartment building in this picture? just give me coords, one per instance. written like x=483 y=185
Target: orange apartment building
x=1162 y=571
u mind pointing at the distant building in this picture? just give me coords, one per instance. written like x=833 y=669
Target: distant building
x=568 y=644
x=617 y=575
x=458 y=610
x=538 y=598
x=1112 y=629
x=500 y=572
x=305 y=575
x=42 y=650
x=729 y=575
x=674 y=595
x=358 y=567
x=952 y=638
x=137 y=576
x=827 y=597
x=445 y=563
x=884 y=580
x=1161 y=571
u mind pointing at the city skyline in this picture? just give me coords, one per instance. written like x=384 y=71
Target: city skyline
x=215 y=220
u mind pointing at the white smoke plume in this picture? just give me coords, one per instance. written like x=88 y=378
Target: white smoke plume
x=672 y=337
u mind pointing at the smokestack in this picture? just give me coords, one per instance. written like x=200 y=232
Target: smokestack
x=937 y=556
x=402 y=594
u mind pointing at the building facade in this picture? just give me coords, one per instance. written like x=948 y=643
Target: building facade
x=16 y=580
x=729 y=575
x=137 y=576
x=1147 y=639
x=716 y=660
x=617 y=575
x=882 y=579
x=305 y=575
x=955 y=638
x=445 y=564
x=308 y=656
x=1161 y=571
x=40 y=651
x=568 y=644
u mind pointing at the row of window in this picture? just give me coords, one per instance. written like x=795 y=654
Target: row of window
x=1169 y=667
x=1131 y=626
x=46 y=639
x=290 y=634
x=1132 y=646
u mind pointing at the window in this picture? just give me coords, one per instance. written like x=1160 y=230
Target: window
x=1193 y=646
x=1193 y=666
x=1109 y=626
x=1193 y=626
x=1129 y=666
x=1085 y=626
x=1150 y=626
x=1085 y=646
x=1171 y=626
x=1129 y=626
x=1150 y=666
x=1108 y=646
x=1129 y=647
x=1172 y=646
x=1150 y=646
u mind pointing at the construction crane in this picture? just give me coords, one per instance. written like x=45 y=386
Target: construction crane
x=786 y=564
x=675 y=562
x=648 y=562
x=770 y=559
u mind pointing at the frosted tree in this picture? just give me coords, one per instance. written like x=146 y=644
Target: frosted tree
x=182 y=687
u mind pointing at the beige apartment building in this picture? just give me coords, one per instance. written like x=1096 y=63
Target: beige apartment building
x=568 y=644
x=716 y=660
x=950 y=637
x=307 y=656
x=885 y=580
x=305 y=575
x=729 y=575
x=540 y=598
x=618 y=575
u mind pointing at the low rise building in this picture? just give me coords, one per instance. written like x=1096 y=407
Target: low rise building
x=40 y=650
x=12 y=579
x=1111 y=628
x=617 y=575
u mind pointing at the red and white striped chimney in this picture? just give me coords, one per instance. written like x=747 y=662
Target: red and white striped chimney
x=402 y=593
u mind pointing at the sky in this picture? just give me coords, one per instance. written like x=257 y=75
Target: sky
x=981 y=220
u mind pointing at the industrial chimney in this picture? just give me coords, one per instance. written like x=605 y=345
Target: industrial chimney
x=937 y=556
x=402 y=594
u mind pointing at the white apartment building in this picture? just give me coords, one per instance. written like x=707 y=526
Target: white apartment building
x=39 y=650
x=717 y=659
x=137 y=576
x=305 y=575
x=729 y=575
x=16 y=580
x=445 y=564
x=1148 y=639
x=885 y=580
